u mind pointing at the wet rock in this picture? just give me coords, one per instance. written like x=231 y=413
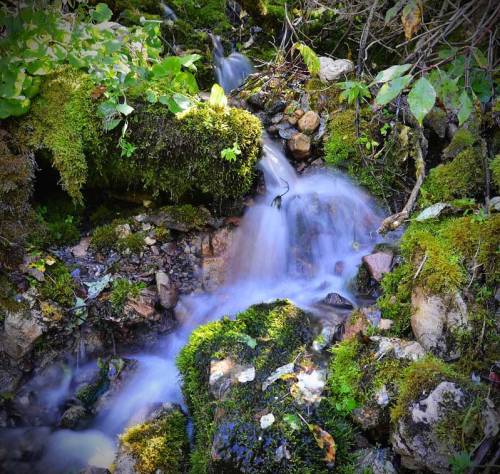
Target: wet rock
x=225 y=373
x=309 y=386
x=80 y=249
x=339 y=268
x=436 y=319
x=337 y=301
x=73 y=417
x=368 y=417
x=333 y=69
x=276 y=107
x=140 y=309
x=257 y=100
x=21 y=330
x=286 y=131
x=300 y=146
x=378 y=263
x=399 y=348
x=309 y=122
x=356 y=323
x=375 y=461
x=214 y=251
x=167 y=292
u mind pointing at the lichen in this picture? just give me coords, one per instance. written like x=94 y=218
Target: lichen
x=159 y=445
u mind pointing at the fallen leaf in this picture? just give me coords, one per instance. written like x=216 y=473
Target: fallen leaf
x=325 y=442
x=411 y=18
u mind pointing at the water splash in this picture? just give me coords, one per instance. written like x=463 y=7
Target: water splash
x=230 y=71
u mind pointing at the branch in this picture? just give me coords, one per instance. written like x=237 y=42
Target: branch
x=394 y=221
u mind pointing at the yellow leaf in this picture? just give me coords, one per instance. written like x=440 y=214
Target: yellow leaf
x=50 y=261
x=325 y=442
x=411 y=18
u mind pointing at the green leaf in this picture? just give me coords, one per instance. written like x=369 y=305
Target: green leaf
x=481 y=59
x=248 y=340
x=391 y=73
x=186 y=81
x=124 y=109
x=465 y=108
x=293 y=421
x=76 y=61
x=421 y=99
x=310 y=58
x=171 y=65
x=392 y=89
x=14 y=107
x=182 y=101
x=392 y=12
x=39 y=67
x=189 y=60
x=151 y=97
x=111 y=124
x=101 y=13
x=163 y=99
x=218 y=98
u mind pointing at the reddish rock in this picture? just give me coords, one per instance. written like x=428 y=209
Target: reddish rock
x=378 y=263
x=300 y=146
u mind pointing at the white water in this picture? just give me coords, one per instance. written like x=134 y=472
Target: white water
x=304 y=249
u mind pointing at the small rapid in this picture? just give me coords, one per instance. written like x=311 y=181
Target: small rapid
x=303 y=238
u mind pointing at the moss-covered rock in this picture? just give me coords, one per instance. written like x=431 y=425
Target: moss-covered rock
x=495 y=172
x=228 y=417
x=159 y=445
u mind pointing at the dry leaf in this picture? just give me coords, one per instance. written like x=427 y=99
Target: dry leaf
x=98 y=92
x=325 y=441
x=411 y=18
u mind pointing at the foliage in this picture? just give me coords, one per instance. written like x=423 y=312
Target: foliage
x=310 y=58
x=122 y=290
x=354 y=90
x=58 y=285
x=231 y=154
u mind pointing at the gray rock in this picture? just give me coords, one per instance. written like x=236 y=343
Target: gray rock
x=167 y=292
x=401 y=349
x=378 y=263
x=337 y=301
x=435 y=320
x=21 y=331
x=375 y=460
x=73 y=417
x=495 y=204
x=433 y=211
x=333 y=69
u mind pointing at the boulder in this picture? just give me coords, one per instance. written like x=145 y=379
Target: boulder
x=435 y=320
x=375 y=461
x=21 y=331
x=214 y=251
x=378 y=263
x=73 y=417
x=80 y=249
x=300 y=146
x=167 y=292
x=309 y=122
x=337 y=301
x=140 y=309
x=333 y=69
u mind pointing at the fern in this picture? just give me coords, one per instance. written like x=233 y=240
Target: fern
x=310 y=58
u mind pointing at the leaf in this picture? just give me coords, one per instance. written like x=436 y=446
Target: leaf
x=170 y=65
x=310 y=58
x=217 y=98
x=325 y=442
x=189 y=60
x=14 y=107
x=393 y=11
x=465 y=108
x=248 y=340
x=151 y=97
x=186 y=81
x=391 y=73
x=392 y=89
x=293 y=421
x=421 y=99
x=124 y=109
x=101 y=13
x=411 y=18
x=481 y=59
x=111 y=124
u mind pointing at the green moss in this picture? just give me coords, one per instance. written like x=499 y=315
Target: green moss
x=187 y=216
x=463 y=177
x=63 y=121
x=181 y=155
x=342 y=140
x=462 y=140
x=133 y=242
x=495 y=172
x=122 y=290
x=104 y=237
x=160 y=445
x=58 y=285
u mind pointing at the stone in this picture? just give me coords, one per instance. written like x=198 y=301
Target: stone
x=435 y=320
x=277 y=106
x=73 y=417
x=21 y=331
x=309 y=122
x=339 y=268
x=280 y=371
x=167 y=292
x=123 y=230
x=333 y=69
x=300 y=146
x=149 y=241
x=214 y=251
x=375 y=461
x=267 y=420
x=378 y=263
x=433 y=212
x=494 y=204
x=309 y=387
x=337 y=301
x=80 y=249
x=225 y=373
x=408 y=350
x=140 y=309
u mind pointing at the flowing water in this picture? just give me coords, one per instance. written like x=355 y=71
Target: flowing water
x=302 y=239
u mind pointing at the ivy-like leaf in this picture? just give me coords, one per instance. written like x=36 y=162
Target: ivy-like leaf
x=391 y=73
x=171 y=65
x=124 y=109
x=421 y=99
x=101 y=13
x=392 y=89
x=310 y=58
x=465 y=108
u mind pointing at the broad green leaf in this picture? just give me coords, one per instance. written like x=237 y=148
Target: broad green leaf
x=421 y=99
x=13 y=107
x=111 y=124
x=182 y=101
x=76 y=61
x=293 y=421
x=218 y=98
x=392 y=89
x=124 y=109
x=481 y=86
x=310 y=58
x=101 y=13
x=163 y=99
x=465 y=108
x=189 y=60
x=186 y=81
x=171 y=65
x=391 y=73
x=39 y=68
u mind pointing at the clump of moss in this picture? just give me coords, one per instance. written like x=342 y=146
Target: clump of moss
x=58 y=285
x=462 y=140
x=463 y=177
x=104 y=237
x=63 y=121
x=122 y=290
x=159 y=445
x=186 y=216
x=495 y=171
x=133 y=242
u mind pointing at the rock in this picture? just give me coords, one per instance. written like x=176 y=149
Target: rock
x=257 y=100
x=225 y=373
x=80 y=249
x=401 y=349
x=378 y=263
x=276 y=107
x=339 y=268
x=368 y=417
x=267 y=420
x=309 y=387
x=435 y=320
x=278 y=373
x=309 y=122
x=123 y=230
x=337 y=301
x=167 y=292
x=149 y=241
x=375 y=461
x=300 y=146
x=214 y=251
x=73 y=417
x=416 y=436
x=140 y=309
x=95 y=470
x=286 y=131
x=21 y=331
x=333 y=69
x=356 y=323
x=495 y=204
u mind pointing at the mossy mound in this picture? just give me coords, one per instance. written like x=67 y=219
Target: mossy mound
x=228 y=433
x=160 y=444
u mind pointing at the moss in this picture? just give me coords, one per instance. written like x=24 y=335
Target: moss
x=265 y=336
x=159 y=445
x=495 y=172
x=463 y=177
x=58 y=285
x=180 y=155
x=63 y=121
x=104 y=237
x=256 y=8
x=462 y=140
x=16 y=216
x=122 y=290
x=133 y=242
x=187 y=216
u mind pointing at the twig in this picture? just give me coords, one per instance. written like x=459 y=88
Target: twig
x=422 y=263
